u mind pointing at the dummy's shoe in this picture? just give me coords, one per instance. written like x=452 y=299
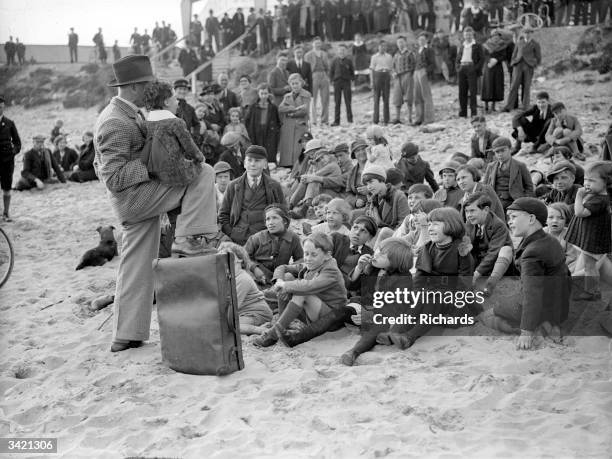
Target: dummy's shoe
x=119 y=346
x=268 y=339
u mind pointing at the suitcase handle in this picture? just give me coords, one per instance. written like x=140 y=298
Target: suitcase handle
x=230 y=318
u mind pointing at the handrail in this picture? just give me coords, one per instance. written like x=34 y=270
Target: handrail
x=193 y=75
x=168 y=48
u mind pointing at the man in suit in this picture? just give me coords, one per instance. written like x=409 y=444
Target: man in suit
x=278 y=78
x=545 y=282
x=299 y=65
x=342 y=74
x=242 y=211
x=73 y=42
x=228 y=98
x=185 y=111
x=10 y=145
x=138 y=200
x=424 y=68
x=402 y=92
x=509 y=178
x=38 y=167
x=212 y=30
x=10 y=49
x=525 y=58
x=534 y=130
x=482 y=140
x=470 y=58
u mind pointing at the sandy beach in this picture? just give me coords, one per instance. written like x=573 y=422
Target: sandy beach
x=450 y=396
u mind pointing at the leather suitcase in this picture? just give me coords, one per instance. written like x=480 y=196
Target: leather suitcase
x=197 y=310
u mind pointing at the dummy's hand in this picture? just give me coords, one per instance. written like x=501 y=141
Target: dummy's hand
x=39 y=184
x=525 y=341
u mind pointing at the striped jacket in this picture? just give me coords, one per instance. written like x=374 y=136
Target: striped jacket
x=119 y=137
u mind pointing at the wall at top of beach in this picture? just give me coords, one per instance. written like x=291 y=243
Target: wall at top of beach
x=53 y=54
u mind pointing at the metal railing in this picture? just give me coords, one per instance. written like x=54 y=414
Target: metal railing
x=171 y=46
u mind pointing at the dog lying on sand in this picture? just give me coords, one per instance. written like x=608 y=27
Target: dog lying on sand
x=106 y=250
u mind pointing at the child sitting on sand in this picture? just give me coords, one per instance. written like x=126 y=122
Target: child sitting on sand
x=308 y=291
x=170 y=154
x=444 y=264
x=252 y=307
x=589 y=229
x=415 y=170
x=414 y=231
x=319 y=205
x=275 y=246
x=559 y=216
x=543 y=302
x=385 y=271
x=237 y=126
x=450 y=194
x=562 y=176
x=337 y=217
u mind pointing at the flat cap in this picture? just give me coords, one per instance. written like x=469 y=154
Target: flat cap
x=532 y=206
x=256 y=151
x=560 y=166
x=221 y=166
x=230 y=138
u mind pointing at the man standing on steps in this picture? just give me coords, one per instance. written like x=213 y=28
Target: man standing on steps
x=10 y=145
x=229 y=98
x=404 y=62
x=525 y=58
x=470 y=58
x=319 y=63
x=212 y=30
x=185 y=111
x=138 y=200
x=73 y=42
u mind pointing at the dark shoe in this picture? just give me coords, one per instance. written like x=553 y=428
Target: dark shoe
x=331 y=321
x=505 y=110
x=416 y=123
x=6 y=218
x=396 y=121
x=191 y=246
x=335 y=124
x=299 y=212
x=119 y=346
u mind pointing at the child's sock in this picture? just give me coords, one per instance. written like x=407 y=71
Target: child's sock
x=500 y=268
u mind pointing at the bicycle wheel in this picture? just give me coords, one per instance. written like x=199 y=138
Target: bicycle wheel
x=6 y=257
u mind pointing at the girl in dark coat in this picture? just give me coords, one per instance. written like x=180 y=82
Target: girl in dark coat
x=84 y=170
x=263 y=123
x=65 y=156
x=493 y=71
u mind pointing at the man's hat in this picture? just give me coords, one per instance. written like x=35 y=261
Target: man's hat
x=257 y=152
x=532 y=206
x=501 y=142
x=558 y=167
x=39 y=137
x=341 y=148
x=356 y=145
x=221 y=166
x=230 y=138
x=314 y=144
x=131 y=69
x=182 y=83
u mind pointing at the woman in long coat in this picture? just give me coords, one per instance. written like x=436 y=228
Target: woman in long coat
x=493 y=71
x=263 y=123
x=294 y=110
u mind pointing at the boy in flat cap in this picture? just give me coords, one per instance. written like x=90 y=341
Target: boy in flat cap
x=38 y=167
x=509 y=178
x=562 y=176
x=565 y=130
x=10 y=145
x=543 y=302
x=242 y=210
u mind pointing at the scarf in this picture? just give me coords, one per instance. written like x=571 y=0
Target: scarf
x=497 y=43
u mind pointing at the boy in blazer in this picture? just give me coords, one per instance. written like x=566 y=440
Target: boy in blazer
x=509 y=178
x=299 y=65
x=482 y=140
x=470 y=58
x=534 y=129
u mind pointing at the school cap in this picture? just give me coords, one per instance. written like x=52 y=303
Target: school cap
x=221 y=166
x=395 y=176
x=314 y=144
x=257 y=152
x=369 y=223
x=560 y=166
x=501 y=142
x=230 y=138
x=409 y=149
x=449 y=165
x=531 y=206
x=373 y=171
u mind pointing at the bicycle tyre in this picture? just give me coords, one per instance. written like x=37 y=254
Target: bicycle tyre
x=7 y=257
